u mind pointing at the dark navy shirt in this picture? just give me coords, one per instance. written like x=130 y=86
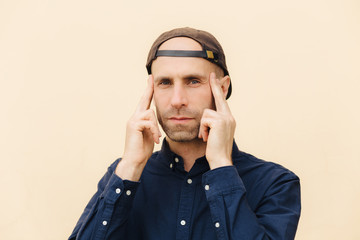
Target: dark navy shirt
x=253 y=199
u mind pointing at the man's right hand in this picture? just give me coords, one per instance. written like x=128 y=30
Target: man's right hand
x=141 y=132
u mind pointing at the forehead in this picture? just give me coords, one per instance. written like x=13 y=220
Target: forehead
x=181 y=67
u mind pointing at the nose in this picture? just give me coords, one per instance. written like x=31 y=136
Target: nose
x=179 y=97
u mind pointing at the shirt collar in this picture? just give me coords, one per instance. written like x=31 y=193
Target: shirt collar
x=171 y=159
x=174 y=161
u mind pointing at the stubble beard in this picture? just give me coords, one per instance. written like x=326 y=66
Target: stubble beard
x=179 y=132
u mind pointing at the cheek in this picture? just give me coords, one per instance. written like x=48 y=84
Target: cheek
x=205 y=96
x=159 y=99
x=162 y=96
x=156 y=101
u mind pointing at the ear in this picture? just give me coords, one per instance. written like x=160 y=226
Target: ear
x=225 y=83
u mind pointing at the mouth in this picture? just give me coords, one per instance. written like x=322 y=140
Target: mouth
x=180 y=120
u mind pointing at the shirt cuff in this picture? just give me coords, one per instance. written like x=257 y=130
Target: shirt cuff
x=117 y=187
x=222 y=180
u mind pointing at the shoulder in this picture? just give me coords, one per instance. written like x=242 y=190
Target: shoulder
x=248 y=164
x=263 y=179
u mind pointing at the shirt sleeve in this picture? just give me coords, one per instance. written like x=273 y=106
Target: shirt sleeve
x=106 y=213
x=275 y=217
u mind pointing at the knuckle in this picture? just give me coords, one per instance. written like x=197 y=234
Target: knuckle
x=149 y=113
x=206 y=111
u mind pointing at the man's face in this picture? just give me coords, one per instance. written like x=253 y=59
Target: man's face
x=182 y=90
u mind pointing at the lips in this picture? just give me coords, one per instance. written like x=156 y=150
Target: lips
x=180 y=119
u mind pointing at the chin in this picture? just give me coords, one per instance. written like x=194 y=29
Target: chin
x=178 y=133
x=182 y=136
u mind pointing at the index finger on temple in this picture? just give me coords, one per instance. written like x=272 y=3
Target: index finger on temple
x=219 y=97
x=145 y=100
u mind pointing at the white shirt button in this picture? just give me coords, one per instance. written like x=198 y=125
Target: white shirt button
x=183 y=222
x=171 y=165
x=104 y=223
x=177 y=159
x=217 y=224
x=189 y=181
x=118 y=190
x=207 y=187
x=128 y=192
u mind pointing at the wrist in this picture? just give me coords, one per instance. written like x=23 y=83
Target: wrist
x=220 y=163
x=128 y=170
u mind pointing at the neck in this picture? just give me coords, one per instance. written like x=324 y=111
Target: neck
x=189 y=151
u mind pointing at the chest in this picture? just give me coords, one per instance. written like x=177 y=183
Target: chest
x=171 y=206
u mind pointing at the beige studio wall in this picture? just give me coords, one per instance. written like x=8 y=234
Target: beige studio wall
x=71 y=74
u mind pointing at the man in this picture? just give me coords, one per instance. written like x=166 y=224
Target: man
x=199 y=186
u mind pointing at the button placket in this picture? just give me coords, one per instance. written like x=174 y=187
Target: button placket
x=188 y=189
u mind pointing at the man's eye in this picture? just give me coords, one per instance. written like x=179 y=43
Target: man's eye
x=194 y=81
x=165 y=82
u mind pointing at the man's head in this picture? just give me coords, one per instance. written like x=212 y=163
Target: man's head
x=210 y=48
x=181 y=85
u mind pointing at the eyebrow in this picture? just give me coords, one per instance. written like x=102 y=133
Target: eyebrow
x=194 y=76
x=185 y=77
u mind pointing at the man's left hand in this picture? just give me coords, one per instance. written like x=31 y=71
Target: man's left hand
x=217 y=127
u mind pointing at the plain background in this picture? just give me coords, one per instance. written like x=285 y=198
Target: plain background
x=72 y=72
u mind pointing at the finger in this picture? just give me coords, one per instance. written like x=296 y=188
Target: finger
x=138 y=120
x=200 y=135
x=149 y=125
x=145 y=100
x=219 y=97
x=205 y=126
x=150 y=115
x=209 y=113
x=204 y=132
